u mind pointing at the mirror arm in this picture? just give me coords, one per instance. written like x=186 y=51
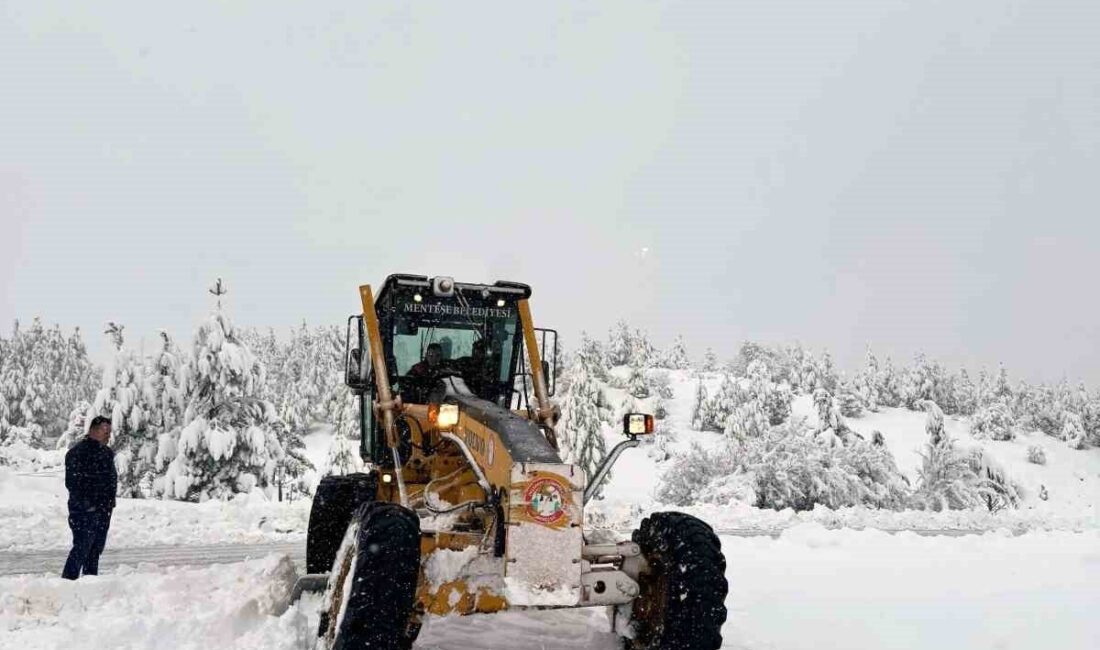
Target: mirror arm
x=605 y=467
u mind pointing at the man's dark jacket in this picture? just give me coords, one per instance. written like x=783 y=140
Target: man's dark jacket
x=90 y=476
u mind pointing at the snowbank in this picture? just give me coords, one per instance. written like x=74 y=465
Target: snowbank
x=34 y=516
x=241 y=605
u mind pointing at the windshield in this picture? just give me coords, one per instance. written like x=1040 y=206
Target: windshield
x=466 y=336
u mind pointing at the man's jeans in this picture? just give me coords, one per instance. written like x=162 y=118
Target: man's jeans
x=89 y=536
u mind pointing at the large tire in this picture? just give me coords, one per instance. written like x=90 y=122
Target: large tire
x=683 y=591
x=372 y=588
x=336 y=499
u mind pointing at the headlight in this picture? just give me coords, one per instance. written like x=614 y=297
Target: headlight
x=637 y=424
x=448 y=416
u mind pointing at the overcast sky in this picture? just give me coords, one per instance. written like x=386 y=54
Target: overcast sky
x=914 y=175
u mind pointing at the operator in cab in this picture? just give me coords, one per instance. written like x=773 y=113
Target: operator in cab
x=477 y=370
x=431 y=365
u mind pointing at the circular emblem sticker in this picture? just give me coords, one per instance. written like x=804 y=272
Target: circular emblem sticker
x=545 y=499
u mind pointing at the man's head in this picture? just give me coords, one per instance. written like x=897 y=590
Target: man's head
x=100 y=429
x=481 y=347
x=434 y=354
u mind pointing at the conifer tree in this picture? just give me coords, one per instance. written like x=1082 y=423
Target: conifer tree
x=676 y=358
x=227 y=444
x=636 y=383
x=710 y=361
x=581 y=418
x=121 y=397
x=620 y=345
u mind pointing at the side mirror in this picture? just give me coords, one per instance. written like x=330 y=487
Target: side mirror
x=354 y=376
x=637 y=424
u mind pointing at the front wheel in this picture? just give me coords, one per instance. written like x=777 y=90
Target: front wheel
x=372 y=588
x=681 y=604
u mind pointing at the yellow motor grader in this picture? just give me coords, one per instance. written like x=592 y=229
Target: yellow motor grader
x=465 y=505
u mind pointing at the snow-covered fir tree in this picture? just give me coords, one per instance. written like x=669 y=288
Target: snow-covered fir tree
x=227 y=444
x=642 y=352
x=699 y=404
x=676 y=357
x=966 y=394
x=43 y=374
x=710 y=361
x=866 y=384
x=620 y=345
x=343 y=457
x=121 y=397
x=582 y=420
x=850 y=402
x=934 y=424
x=636 y=383
x=1073 y=432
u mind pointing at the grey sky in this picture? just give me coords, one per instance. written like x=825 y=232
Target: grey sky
x=918 y=175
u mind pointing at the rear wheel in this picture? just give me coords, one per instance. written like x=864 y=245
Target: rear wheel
x=372 y=588
x=681 y=605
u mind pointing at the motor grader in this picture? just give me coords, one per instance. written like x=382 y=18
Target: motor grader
x=465 y=505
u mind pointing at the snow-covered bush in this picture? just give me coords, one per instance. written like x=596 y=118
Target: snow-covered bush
x=956 y=479
x=793 y=468
x=691 y=472
x=993 y=421
x=1035 y=454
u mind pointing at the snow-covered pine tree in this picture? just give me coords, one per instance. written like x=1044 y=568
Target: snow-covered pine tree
x=850 y=401
x=827 y=377
x=343 y=457
x=1073 y=432
x=888 y=384
x=934 y=424
x=42 y=374
x=620 y=345
x=121 y=397
x=966 y=394
x=676 y=357
x=717 y=409
x=642 y=352
x=710 y=361
x=636 y=383
x=866 y=382
x=227 y=444
x=581 y=419
x=699 y=404
x=831 y=427
x=163 y=394
x=1002 y=388
x=77 y=427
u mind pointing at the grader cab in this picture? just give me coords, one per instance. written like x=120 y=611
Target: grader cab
x=465 y=505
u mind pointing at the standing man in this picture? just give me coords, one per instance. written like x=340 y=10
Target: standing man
x=91 y=479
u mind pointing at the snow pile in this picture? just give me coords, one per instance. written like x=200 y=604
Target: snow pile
x=242 y=605
x=34 y=516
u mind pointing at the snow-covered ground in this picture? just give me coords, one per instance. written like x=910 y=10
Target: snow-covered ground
x=34 y=516
x=811 y=588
